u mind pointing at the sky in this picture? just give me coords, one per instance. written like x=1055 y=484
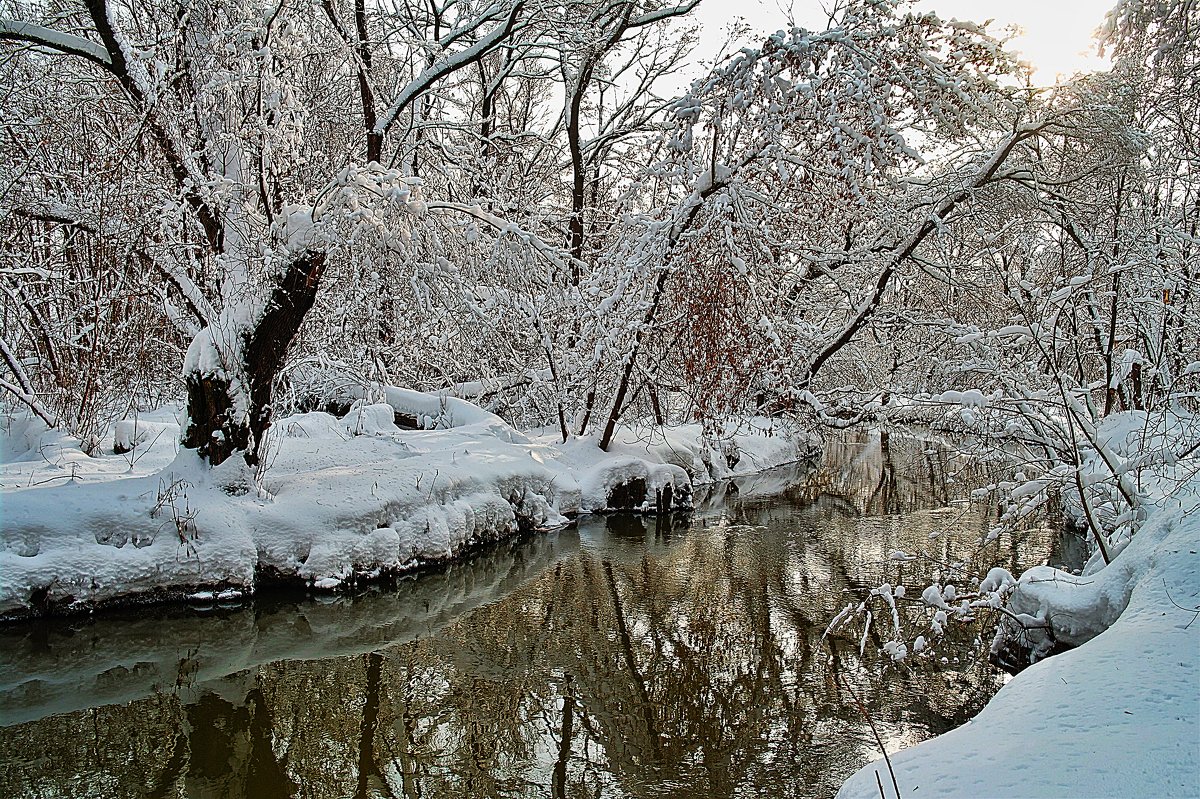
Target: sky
x=1056 y=32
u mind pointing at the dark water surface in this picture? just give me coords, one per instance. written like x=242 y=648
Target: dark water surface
x=628 y=657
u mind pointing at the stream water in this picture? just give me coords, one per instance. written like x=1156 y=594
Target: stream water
x=628 y=656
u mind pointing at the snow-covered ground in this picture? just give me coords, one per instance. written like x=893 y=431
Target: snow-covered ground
x=1117 y=716
x=341 y=498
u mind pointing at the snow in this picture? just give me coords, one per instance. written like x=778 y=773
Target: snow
x=215 y=646
x=35 y=456
x=27 y=31
x=129 y=434
x=296 y=228
x=1119 y=715
x=441 y=410
x=340 y=499
x=972 y=398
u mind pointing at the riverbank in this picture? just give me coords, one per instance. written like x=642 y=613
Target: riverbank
x=718 y=612
x=342 y=500
x=1115 y=717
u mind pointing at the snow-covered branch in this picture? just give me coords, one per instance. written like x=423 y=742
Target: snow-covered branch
x=447 y=66
x=20 y=31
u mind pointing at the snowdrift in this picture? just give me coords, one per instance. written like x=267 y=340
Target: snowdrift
x=341 y=499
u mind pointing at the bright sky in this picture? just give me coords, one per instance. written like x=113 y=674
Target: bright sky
x=1057 y=33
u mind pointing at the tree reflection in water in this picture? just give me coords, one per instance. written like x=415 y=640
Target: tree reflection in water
x=677 y=657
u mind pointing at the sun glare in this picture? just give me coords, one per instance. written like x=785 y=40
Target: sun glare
x=1056 y=39
x=1055 y=36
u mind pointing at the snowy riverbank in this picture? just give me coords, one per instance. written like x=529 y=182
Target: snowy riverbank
x=1118 y=716
x=342 y=499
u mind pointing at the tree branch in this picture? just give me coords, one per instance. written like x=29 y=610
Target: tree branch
x=19 y=31
x=441 y=69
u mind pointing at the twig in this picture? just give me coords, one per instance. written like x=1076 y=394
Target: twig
x=837 y=675
x=1195 y=610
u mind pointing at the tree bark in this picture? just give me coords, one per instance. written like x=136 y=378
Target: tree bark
x=216 y=427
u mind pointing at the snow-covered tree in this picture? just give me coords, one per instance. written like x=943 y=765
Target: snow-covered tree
x=223 y=99
x=1060 y=318
x=794 y=204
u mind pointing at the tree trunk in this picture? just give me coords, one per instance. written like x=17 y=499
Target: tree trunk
x=217 y=427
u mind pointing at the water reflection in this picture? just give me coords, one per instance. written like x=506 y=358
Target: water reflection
x=636 y=657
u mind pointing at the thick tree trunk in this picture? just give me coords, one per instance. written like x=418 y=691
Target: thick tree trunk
x=230 y=411
x=214 y=427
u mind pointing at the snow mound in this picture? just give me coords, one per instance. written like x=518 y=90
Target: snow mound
x=25 y=437
x=129 y=434
x=371 y=420
x=443 y=411
x=33 y=456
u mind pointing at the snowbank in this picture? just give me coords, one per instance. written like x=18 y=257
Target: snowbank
x=341 y=499
x=121 y=660
x=741 y=448
x=1118 y=716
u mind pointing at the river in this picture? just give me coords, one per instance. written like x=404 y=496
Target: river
x=628 y=656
